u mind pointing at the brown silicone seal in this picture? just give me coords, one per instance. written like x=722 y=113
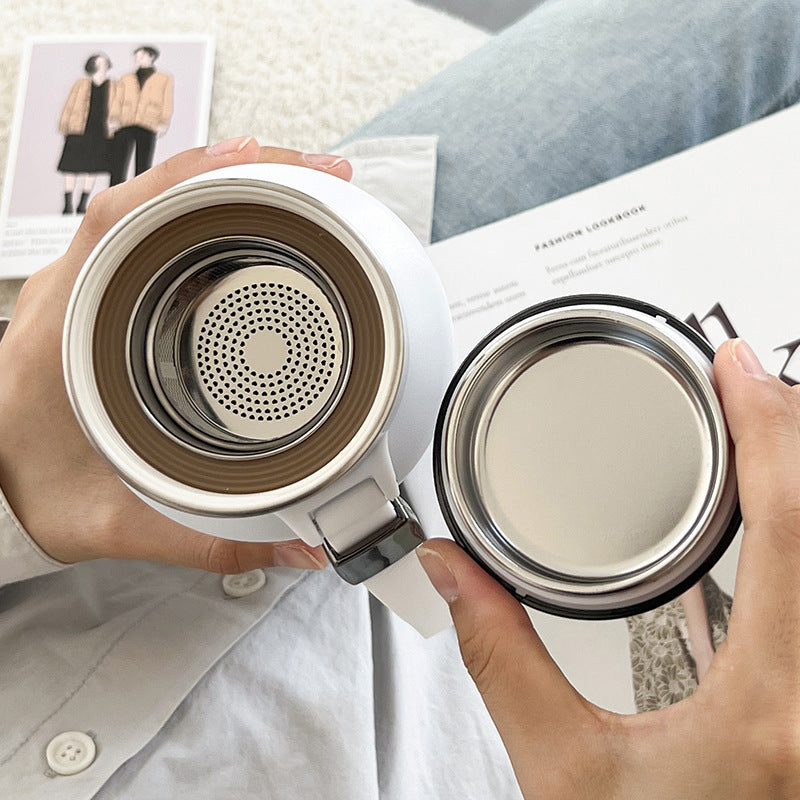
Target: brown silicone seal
x=207 y=471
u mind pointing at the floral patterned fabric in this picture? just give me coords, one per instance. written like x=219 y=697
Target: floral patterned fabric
x=662 y=664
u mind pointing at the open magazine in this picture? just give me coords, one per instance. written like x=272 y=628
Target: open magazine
x=710 y=235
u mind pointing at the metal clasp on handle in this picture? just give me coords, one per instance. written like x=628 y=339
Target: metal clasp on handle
x=384 y=546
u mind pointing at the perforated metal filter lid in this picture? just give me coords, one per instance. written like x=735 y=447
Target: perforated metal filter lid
x=582 y=457
x=246 y=349
x=286 y=347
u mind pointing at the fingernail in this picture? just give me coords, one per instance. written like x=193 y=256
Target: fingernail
x=229 y=146
x=297 y=558
x=439 y=574
x=322 y=160
x=743 y=354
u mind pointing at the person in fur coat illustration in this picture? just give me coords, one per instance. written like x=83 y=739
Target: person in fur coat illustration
x=141 y=111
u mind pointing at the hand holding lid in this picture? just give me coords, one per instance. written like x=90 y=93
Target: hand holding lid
x=736 y=736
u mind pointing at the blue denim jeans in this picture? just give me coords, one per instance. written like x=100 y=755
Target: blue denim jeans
x=580 y=91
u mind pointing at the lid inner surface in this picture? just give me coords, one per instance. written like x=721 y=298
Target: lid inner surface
x=594 y=459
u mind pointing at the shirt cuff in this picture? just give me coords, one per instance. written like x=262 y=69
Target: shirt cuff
x=20 y=556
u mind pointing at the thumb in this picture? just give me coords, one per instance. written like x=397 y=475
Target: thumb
x=527 y=695
x=763 y=416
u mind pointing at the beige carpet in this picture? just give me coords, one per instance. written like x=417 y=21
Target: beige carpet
x=295 y=73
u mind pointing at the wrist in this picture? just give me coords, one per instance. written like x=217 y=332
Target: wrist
x=32 y=466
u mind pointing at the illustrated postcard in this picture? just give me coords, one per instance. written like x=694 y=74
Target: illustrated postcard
x=91 y=113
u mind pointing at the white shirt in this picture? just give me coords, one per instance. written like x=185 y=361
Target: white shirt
x=304 y=687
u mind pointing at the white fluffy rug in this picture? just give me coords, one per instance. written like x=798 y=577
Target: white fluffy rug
x=295 y=73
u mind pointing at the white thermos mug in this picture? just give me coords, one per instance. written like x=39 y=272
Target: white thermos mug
x=260 y=354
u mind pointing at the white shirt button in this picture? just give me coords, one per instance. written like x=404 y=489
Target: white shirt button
x=70 y=752
x=244 y=583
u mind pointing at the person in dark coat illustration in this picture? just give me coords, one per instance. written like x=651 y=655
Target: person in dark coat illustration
x=84 y=124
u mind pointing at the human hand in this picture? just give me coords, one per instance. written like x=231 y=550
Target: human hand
x=738 y=735
x=68 y=500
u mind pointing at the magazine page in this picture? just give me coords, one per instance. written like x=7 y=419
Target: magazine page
x=710 y=236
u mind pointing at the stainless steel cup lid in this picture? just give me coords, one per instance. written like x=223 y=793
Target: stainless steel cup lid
x=582 y=457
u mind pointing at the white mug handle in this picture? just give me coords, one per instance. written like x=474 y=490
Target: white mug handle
x=370 y=535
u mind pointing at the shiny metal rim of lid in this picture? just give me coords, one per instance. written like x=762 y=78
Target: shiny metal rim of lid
x=239 y=346
x=670 y=354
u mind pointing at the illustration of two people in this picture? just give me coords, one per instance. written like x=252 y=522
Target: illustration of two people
x=105 y=121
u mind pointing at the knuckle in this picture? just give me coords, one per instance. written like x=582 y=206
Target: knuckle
x=480 y=650
x=98 y=219
x=780 y=412
x=167 y=174
x=222 y=556
x=32 y=287
x=780 y=418
x=173 y=171
x=27 y=293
